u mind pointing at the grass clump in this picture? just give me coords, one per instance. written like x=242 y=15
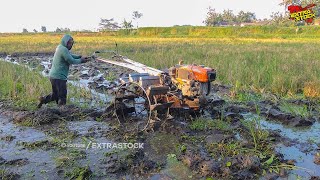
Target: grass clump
x=296 y=110
x=202 y=124
x=79 y=173
x=6 y=175
x=69 y=158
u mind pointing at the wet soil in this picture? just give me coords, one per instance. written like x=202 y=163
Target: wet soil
x=62 y=142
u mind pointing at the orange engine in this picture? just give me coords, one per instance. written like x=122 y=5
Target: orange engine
x=193 y=80
x=197 y=73
x=193 y=72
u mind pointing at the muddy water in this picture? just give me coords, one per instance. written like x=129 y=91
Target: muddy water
x=94 y=133
x=304 y=161
x=41 y=163
x=302 y=149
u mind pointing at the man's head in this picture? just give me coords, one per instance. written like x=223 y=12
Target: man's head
x=70 y=44
x=67 y=41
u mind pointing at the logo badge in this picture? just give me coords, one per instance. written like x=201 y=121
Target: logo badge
x=298 y=13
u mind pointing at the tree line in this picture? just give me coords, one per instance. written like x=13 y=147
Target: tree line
x=104 y=25
x=111 y=24
x=44 y=30
x=227 y=17
x=214 y=18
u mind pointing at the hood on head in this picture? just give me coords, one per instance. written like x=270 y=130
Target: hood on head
x=65 y=40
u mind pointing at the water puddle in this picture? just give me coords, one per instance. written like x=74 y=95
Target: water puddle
x=302 y=151
x=302 y=135
x=304 y=161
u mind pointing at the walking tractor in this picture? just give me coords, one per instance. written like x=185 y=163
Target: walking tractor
x=148 y=96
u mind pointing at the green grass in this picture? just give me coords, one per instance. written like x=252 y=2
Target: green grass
x=6 y=175
x=79 y=173
x=24 y=87
x=69 y=158
x=218 y=32
x=21 y=85
x=247 y=97
x=202 y=124
x=296 y=110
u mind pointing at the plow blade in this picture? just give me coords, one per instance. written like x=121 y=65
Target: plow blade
x=163 y=106
x=157 y=90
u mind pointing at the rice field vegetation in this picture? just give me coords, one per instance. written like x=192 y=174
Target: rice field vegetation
x=23 y=87
x=263 y=59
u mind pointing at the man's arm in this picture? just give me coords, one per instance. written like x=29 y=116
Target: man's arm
x=69 y=58
x=75 y=56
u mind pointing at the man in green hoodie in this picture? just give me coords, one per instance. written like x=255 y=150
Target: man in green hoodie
x=58 y=74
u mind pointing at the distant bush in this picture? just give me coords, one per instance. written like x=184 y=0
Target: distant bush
x=266 y=31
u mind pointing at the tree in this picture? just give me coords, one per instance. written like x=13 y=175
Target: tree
x=43 y=29
x=213 y=18
x=127 y=25
x=65 y=30
x=245 y=17
x=286 y=3
x=278 y=18
x=58 y=30
x=108 y=24
x=24 y=30
x=136 y=16
x=228 y=16
x=35 y=31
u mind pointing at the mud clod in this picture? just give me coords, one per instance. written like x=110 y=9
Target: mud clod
x=274 y=112
x=216 y=138
x=50 y=115
x=8 y=175
x=209 y=168
x=8 y=138
x=251 y=163
x=191 y=160
x=315 y=178
x=45 y=144
x=317 y=159
x=36 y=118
x=18 y=162
x=113 y=165
x=2 y=161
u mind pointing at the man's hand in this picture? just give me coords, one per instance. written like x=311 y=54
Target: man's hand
x=85 y=59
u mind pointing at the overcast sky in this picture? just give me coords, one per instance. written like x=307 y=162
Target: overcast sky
x=77 y=15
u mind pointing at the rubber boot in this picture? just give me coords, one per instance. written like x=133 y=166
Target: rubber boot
x=41 y=101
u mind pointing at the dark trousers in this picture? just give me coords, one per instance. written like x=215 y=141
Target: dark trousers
x=59 y=92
